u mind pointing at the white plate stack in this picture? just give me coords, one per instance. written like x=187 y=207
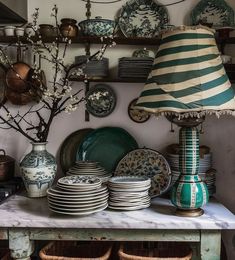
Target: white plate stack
x=78 y=195
x=129 y=192
x=89 y=168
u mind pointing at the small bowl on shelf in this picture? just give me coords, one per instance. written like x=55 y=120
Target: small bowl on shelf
x=46 y=30
x=97 y=27
x=9 y=30
x=19 y=31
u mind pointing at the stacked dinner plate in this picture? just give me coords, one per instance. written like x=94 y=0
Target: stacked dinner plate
x=89 y=168
x=209 y=178
x=132 y=67
x=78 y=195
x=129 y=192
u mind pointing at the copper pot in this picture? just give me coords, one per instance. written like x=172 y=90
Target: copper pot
x=68 y=27
x=17 y=74
x=7 y=166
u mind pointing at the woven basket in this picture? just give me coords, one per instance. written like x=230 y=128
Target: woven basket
x=71 y=250
x=154 y=251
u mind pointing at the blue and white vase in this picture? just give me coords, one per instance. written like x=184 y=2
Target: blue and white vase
x=38 y=169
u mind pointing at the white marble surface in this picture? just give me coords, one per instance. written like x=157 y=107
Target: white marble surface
x=20 y=211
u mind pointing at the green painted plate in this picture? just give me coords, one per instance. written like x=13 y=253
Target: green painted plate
x=216 y=13
x=69 y=148
x=106 y=145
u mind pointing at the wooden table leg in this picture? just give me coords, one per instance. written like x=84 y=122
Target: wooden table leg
x=20 y=245
x=210 y=244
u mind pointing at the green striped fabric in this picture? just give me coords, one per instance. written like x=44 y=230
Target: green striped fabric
x=187 y=75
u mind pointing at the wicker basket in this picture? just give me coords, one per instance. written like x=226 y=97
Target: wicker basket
x=68 y=250
x=155 y=251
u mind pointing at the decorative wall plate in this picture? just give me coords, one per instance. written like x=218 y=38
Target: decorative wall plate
x=106 y=145
x=142 y=18
x=69 y=148
x=216 y=13
x=100 y=100
x=150 y=163
x=136 y=115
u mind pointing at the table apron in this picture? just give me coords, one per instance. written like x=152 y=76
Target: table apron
x=115 y=235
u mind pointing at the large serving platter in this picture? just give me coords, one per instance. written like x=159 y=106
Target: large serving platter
x=69 y=148
x=107 y=146
x=148 y=163
x=142 y=18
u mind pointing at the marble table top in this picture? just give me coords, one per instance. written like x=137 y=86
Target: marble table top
x=20 y=211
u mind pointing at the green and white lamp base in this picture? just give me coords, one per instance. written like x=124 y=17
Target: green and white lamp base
x=189 y=193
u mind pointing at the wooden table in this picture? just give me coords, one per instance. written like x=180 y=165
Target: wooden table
x=24 y=220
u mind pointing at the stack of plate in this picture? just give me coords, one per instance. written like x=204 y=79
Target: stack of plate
x=129 y=192
x=94 y=68
x=209 y=178
x=78 y=195
x=89 y=168
x=134 y=67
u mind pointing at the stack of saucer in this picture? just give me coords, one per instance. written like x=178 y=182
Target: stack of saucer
x=78 y=195
x=209 y=178
x=129 y=192
x=89 y=168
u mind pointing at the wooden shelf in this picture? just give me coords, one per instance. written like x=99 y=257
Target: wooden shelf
x=121 y=80
x=86 y=39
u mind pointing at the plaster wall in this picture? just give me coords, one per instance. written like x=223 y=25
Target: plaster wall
x=155 y=133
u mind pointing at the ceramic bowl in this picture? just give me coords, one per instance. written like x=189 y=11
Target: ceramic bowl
x=19 y=31
x=9 y=30
x=97 y=27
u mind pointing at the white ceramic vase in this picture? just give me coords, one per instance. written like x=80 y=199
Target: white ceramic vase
x=38 y=169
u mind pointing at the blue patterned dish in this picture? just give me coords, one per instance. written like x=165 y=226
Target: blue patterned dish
x=216 y=13
x=142 y=18
x=97 y=27
x=148 y=163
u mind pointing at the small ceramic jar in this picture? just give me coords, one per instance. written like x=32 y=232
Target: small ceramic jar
x=46 y=30
x=19 y=31
x=68 y=27
x=9 y=30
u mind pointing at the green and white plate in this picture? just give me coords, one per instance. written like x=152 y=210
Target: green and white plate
x=216 y=13
x=142 y=18
x=106 y=145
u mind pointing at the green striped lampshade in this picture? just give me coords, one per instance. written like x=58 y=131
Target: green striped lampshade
x=187 y=76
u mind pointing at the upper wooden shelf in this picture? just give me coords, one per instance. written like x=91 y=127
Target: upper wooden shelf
x=96 y=40
x=86 y=39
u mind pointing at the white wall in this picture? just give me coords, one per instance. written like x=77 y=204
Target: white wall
x=219 y=134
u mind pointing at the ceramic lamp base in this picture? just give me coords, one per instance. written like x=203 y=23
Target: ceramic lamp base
x=189 y=213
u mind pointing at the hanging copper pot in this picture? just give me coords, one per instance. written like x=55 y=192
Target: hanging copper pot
x=7 y=166
x=17 y=74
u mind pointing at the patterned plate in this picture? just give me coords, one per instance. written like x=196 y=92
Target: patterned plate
x=216 y=13
x=150 y=163
x=137 y=116
x=142 y=18
x=79 y=180
x=100 y=100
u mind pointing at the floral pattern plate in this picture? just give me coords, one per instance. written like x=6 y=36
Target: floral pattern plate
x=142 y=18
x=79 y=181
x=150 y=163
x=100 y=100
x=216 y=13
